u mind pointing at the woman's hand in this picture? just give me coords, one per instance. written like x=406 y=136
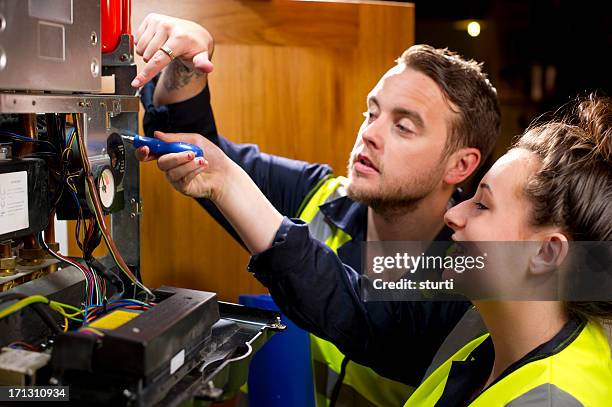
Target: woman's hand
x=198 y=177
x=188 y=41
x=221 y=180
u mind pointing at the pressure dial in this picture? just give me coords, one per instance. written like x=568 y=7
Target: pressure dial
x=106 y=188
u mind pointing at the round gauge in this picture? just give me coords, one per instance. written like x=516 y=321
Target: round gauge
x=106 y=188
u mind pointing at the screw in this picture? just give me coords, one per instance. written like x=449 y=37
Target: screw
x=95 y=68
x=2 y=58
x=5 y=153
x=93 y=38
x=278 y=324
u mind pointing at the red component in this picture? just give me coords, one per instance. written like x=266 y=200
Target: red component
x=126 y=24
x=111 y=24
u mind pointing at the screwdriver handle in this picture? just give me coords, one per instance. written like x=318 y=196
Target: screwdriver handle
x=158 y=147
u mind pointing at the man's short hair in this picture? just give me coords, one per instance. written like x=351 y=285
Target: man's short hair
x=476 y=122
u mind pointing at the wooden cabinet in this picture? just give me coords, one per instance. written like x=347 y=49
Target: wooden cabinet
x=291 y=76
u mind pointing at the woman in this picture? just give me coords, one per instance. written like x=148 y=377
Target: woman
x=554 y=186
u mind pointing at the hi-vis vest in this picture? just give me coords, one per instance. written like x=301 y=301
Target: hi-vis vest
x=361 y=385
x=579 y=374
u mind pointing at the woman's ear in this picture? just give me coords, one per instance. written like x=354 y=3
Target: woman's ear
x=550 y=255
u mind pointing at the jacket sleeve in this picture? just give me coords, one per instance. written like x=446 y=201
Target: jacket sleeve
x=285 y=182
x=319 y=293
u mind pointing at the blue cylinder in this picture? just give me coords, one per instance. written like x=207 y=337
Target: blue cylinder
x=280 y=373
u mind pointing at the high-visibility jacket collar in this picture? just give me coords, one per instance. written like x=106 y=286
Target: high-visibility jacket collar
x=347 y=215
x=574 y=368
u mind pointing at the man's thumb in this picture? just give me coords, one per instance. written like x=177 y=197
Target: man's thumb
x=202 y=63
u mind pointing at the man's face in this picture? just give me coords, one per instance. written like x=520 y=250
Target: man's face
x=398 y=159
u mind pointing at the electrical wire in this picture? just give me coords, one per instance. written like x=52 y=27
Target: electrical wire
x=34 y=299
x=25 y=139
x=93 y=331
x=92 y=282
x=40 y=310
x=94 y=199
x=23 y=345
x=98 y=310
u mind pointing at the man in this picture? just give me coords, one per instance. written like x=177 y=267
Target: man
x=430 y=121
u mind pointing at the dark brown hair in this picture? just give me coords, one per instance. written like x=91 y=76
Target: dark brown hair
x=573 y=187
x=471 y=96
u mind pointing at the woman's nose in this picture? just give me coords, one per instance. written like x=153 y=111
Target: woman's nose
x=455 y=217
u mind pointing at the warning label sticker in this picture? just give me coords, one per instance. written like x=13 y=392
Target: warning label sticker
x=13 y=202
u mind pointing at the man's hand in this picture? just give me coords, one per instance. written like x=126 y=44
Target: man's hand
x=188 y=41
x=201 y=177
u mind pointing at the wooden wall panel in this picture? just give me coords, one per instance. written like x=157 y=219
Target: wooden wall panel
x=291 y=76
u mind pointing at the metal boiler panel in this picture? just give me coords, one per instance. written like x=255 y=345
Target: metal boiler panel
x=51 y=45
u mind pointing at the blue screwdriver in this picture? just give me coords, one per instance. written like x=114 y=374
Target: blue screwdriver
x=158 y=147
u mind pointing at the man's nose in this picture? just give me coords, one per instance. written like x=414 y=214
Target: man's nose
x=455 y=217
x=372 y=134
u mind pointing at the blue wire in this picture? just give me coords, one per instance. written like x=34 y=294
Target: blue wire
x=24 y=138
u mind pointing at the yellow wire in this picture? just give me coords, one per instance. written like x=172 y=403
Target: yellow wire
x=65 y=323
x=62 y=312
x=22 y=304
x=70 y=307
x=75 y=314
x=33 y=299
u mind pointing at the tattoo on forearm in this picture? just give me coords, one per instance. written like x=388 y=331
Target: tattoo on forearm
x=178 y=75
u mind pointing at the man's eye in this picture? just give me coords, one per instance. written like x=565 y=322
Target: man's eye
x=480 y=206
x=403 y=129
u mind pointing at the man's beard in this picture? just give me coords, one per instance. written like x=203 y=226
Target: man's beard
x=397 y=199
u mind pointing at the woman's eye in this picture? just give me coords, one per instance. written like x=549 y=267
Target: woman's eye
x=480 y=206
x=369 y=116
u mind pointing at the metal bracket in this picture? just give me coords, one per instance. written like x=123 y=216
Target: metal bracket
x=122 y=55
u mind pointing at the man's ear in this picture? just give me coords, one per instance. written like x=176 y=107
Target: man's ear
x=461 y=164
x=550 y=255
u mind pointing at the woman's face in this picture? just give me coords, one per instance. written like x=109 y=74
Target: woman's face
x=499 y=211
x=496 y=220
